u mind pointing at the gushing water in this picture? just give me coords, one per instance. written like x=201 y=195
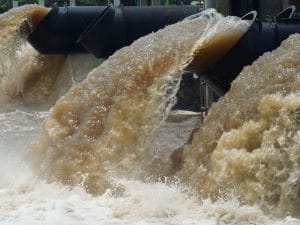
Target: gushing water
x=104 y=124
x=103 y=136
x=249 y=142
x=29 y=80
x=26 y=77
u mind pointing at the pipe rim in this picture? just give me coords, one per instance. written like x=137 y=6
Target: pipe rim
x=287 y=13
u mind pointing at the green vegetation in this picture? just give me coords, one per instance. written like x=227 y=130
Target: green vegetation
x=3 y=6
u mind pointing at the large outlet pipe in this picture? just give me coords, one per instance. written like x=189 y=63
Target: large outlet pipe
x=104 y=29
x=101 y=30
x=262 y=36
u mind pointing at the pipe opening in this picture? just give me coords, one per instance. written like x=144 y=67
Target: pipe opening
x=251 y=16
x=287 y=13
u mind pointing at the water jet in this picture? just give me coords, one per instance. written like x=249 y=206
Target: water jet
x=263 y=36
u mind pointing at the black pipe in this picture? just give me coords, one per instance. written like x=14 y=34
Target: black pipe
x=59 y=31
x=287 y=13
x=101 y=30
x=262 y=36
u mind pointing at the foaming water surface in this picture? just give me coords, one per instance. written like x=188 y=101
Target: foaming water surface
x=249 y=142
x=27 y=199
x=106 y=153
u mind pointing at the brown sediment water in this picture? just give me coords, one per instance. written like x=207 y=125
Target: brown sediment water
x=26 y=77
x=249 y=143
x=103 y=125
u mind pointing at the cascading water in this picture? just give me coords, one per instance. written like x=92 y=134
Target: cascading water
x=249 y=142
x=104 y=124
x=99 y=138
x=26 y=76
x=29 y=80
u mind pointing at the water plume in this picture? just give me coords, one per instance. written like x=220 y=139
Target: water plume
x=104 y=124
x=249 y=143
x=26 y=77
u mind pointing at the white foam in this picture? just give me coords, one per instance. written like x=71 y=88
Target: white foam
x=26 y=199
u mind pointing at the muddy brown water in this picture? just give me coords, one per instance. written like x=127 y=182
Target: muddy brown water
x=247 y=146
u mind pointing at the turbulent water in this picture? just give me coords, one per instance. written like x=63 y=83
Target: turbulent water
x=26 y=77
x=26 y=199
x=249 y=143
x=103 y=125
x=29 y=80
x=241 y=166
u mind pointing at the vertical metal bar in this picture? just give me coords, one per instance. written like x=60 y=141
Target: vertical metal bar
x=116 y=2
x=42 y=2
x=203 y=98
x=72 y=3
x=15 y=4
x=210 y=4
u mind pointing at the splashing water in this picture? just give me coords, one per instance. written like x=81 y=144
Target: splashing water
x=241 y=163
x=105 y=123
x=26 y=199
x=25 y=75
x=249 y=142
x=29 y=80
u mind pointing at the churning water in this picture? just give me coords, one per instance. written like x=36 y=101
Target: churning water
x=106 y=153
